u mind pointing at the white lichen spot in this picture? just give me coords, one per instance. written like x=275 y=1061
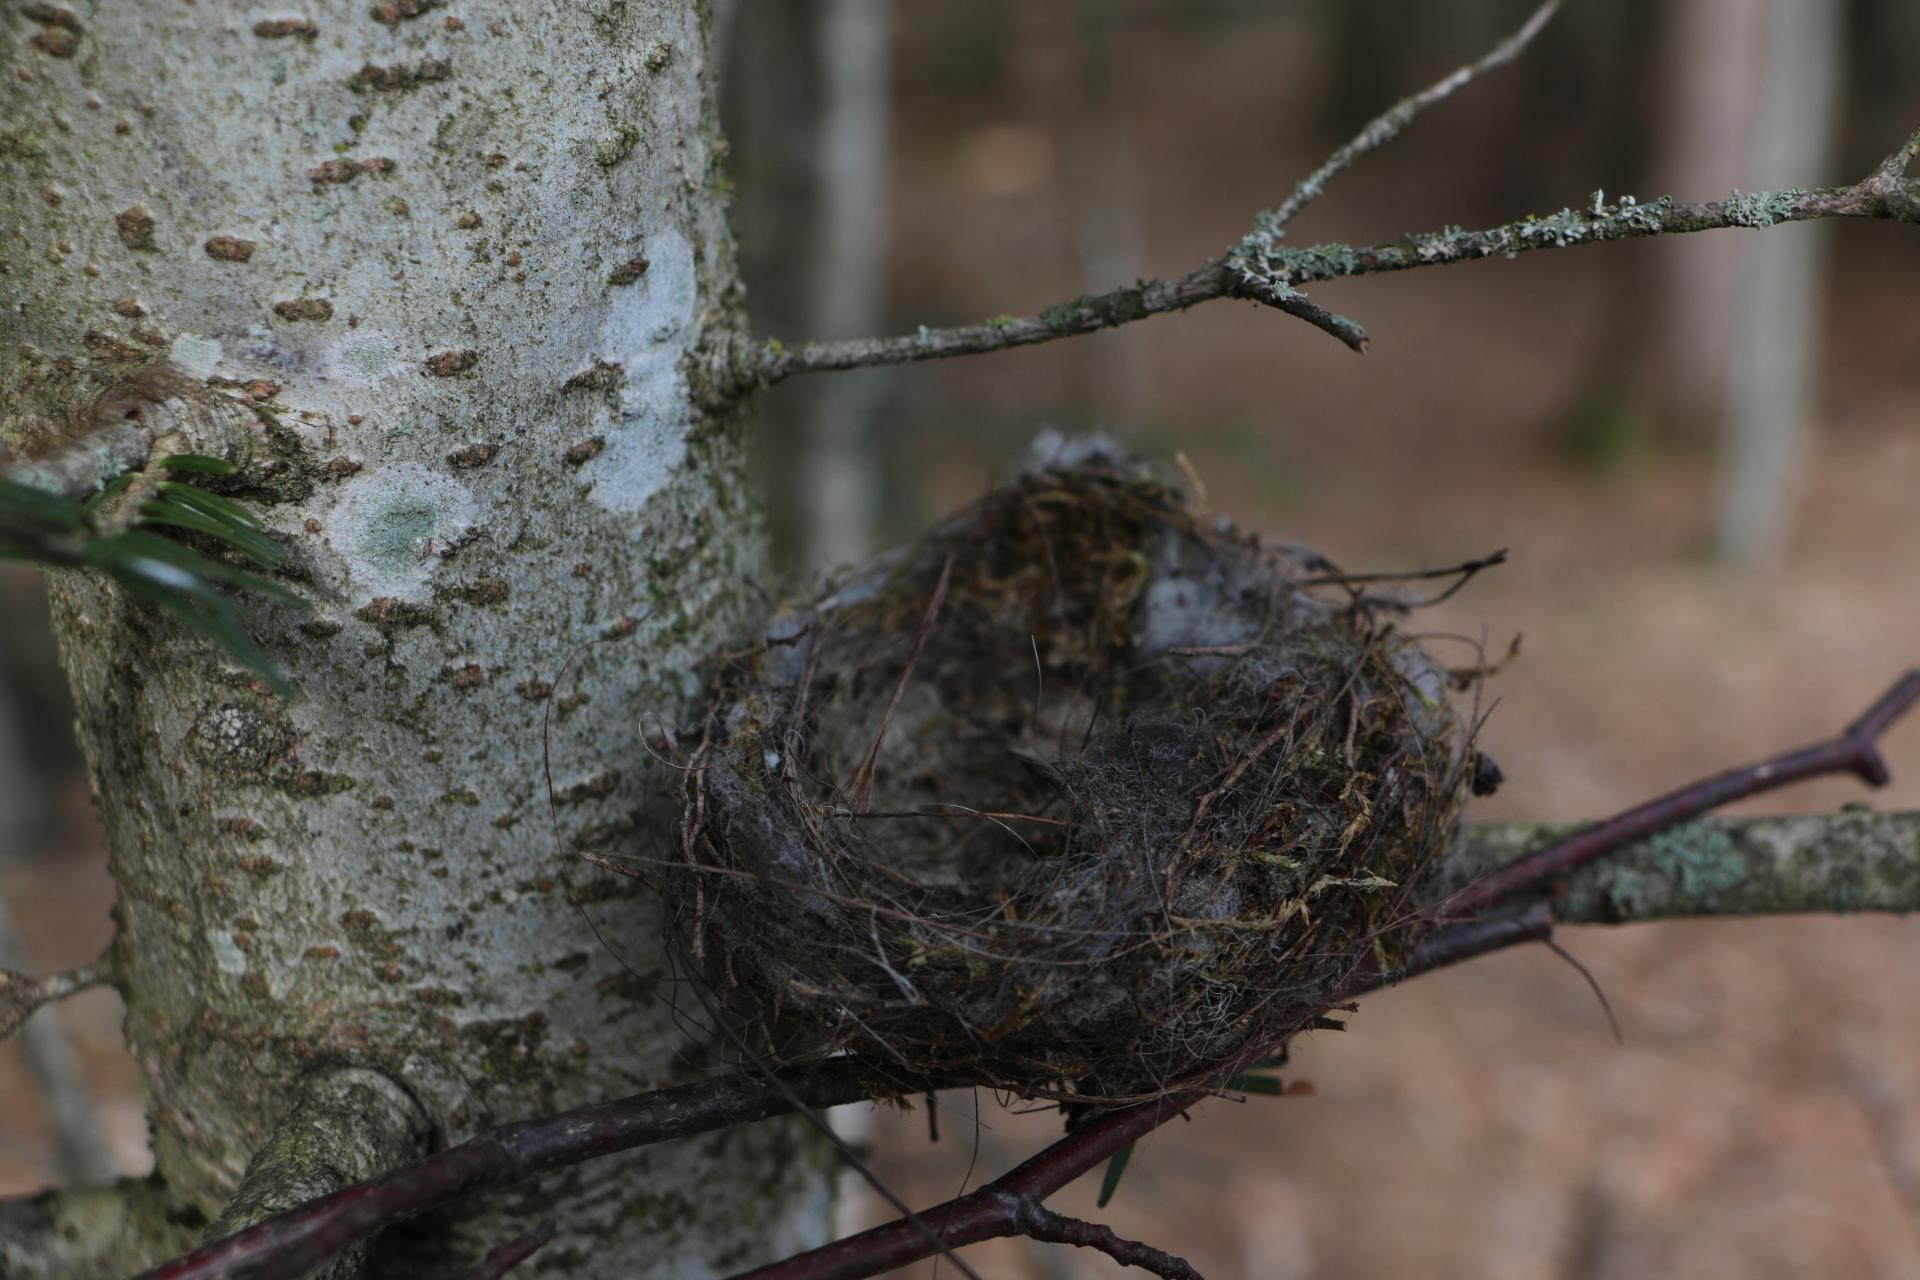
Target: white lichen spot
x=640 y=458
x=645 y=330
x=391 y=526
x=194 y=355
x=227 y=954
x=366 y=355
x=657 y=307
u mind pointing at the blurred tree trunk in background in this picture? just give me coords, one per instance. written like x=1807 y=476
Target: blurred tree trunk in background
x=1770 y=393
x=838 y=471
x=1110 y=235
x=1710 y=67
x=80 y=1152
x=808 y=107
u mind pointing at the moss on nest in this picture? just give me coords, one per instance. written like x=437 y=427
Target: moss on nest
x=1079 y=797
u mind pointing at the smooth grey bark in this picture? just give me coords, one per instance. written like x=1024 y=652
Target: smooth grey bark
x=481 y=253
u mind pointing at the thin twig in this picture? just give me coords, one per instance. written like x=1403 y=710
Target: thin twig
x=21 y=994
x=860 y=789
x=504 y=1258
x=1893 y=170
x=1004 y=1207
x=1854 y=751
x=1467 y=569
x=1261 y=269
x=1043 y=1224
x=1145 y=298
x=1388 y=124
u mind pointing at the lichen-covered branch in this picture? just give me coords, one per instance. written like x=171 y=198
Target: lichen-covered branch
x=144 y=410
x=1855 y=750
x=1260 y=268
x=1148 y=297
x=342 y=1127
x=1260 y=263
x=1851 y=861
x=21 y=993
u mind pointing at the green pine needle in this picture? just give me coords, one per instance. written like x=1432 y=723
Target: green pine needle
x=198 y=462
x=1255 y=1084
x=1115 y=1167
x=196 y=589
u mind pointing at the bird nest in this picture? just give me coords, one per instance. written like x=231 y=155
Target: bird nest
x=1078 y=797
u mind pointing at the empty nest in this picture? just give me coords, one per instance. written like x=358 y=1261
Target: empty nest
x=1078 y=797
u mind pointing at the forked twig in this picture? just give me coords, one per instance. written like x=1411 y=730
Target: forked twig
x=21 y=994
x=1262 y=269
x=1204 y=283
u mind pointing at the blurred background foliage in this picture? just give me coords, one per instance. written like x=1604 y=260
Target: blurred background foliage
x=1702 y=451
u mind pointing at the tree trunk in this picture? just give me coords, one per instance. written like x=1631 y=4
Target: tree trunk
x=481 y=251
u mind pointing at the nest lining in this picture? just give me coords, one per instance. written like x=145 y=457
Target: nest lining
x=1078 y=797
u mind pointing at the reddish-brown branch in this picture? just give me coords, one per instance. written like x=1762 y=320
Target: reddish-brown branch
x=1007 y=1206
x=1856 y=751
x=1013 y=1204
x=293 y=1243
x=506 y=1257
x=1048 y=1227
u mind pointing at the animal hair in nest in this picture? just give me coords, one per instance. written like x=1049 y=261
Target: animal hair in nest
x=1078 y=797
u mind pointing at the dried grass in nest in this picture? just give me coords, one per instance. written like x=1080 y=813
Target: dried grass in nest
x=1077 y=797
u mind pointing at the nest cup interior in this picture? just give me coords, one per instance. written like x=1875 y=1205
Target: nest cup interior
x=1078 y=797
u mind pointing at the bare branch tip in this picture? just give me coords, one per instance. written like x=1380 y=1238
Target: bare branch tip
x=1388 y=125
x=1896 y=165
x=1045 y=1225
